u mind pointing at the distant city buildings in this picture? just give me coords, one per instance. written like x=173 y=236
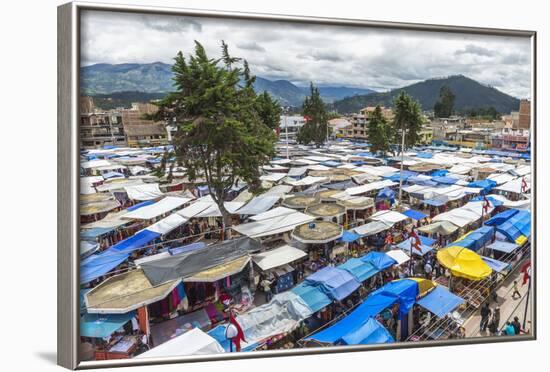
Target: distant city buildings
x=120 y=127
x=289 y=126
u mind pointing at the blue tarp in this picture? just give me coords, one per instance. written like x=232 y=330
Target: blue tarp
x=434 y=202
x=360 y=269
x=439 y=173
x=440 y=301
x=404 y=291
x=330 y=163
x=414 y=214
x=314 y=297
x=372 y=332
x=421 y=181
x=424 y=155
x=476 y=239
x=496 y=265
x=187 y=248
x=386 y=193
x=379 y=260
x=494 y=202
x=335 y=282
x=355 y=320
x=100 y=264
x=501 y=217
x=140 y=205
x=349 y=236
x=445 y=180
x=406 y=175
x=516 y=226
x=487 y=185
x=103 y=325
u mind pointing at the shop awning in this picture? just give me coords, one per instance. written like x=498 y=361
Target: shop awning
x=463 y=263
x=313 y=296
x=212 y=256
x=504 y=247
x=193 y=342
x=399 y=256
x=278 y=257
x=496 y=265
x=389 y=217
x=379 y=260
x=440 y=301
x=273 y=226
x=159 y=208
x=219 y=272
x=102 y=325
x=441 y=227
x=414 y=214
x=371 y=332
x=360 y=269
x=146 y=191
x=372 y=228
x=335 y=282
x=126 y=292
x=259 y=204
x=349 y=236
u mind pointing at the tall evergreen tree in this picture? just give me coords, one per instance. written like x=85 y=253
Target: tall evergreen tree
x=407 y=116
x=379 y=131
x=444 y=107
x=315 y=129
x=269 y=110
x=221 y=136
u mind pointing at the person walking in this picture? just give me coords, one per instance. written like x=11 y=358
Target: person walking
x=517 y=325
x=516 y=290
x=485 y=314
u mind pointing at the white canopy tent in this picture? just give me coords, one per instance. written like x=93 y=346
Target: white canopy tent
x=259 y=204
x=275 y=212
x=168 y=224
x=142 y=192
x=399 y=256
x=368 y=187
x=193 y=342
x=159 y=208
x=278 y=257
x=273 y=226
x=388 y=217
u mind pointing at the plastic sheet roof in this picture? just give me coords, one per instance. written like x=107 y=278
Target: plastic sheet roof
x=103 y=325
x=272 y=226
x=440 y=301
x=372 y=228
x=335 y=282
x=192 y=342
x=278 y=257
x=145 y=191
x=159 y=208
x=259 y=204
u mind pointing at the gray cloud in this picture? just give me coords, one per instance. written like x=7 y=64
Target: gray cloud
x=380 y=59
x=476 y=50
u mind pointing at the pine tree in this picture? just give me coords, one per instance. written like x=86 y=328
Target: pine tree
x=315 y=130
x=444 y=107
x=221 y=135
x=379 y=132
x=407 y=116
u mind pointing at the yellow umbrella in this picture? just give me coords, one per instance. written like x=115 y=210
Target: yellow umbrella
x=424 y=285
x=463 y=263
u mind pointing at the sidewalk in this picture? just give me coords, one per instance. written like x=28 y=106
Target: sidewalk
x=509 y=307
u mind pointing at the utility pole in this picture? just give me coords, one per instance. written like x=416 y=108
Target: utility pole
x=527 y=299
x=402 y=160
x=286 y=134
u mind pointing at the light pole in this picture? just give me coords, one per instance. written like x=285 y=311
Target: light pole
x=403 y=131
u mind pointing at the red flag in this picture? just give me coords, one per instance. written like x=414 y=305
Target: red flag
x=526 y=271
x=523 y=184
x=389 y=239
x=486 y=205
x=307 y=118
x=416 y=243
x=240 y=334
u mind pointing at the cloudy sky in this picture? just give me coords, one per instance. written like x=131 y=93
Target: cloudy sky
x=327 y=55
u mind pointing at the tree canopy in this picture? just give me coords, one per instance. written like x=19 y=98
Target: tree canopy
x=224 y=131
x=408 y=116
x=315 y=129
x=380 y=132
x=444 y=107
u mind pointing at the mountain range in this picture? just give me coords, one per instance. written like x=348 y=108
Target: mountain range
x=469 y=95
x=121 y=84
x=105 y=79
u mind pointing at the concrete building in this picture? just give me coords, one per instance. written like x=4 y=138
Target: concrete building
x=341 y=128
x=141 y=132
x=100 y=128
x=511 y=139
x=524 y=115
